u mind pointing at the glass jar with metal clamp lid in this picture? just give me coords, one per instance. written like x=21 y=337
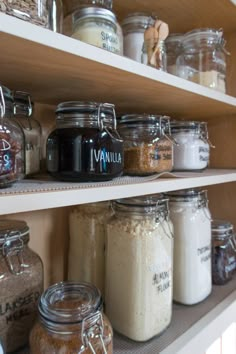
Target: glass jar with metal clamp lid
x=85 y=146
x=138 y=292
x=223 y=251
x=11 y=142
x=148 y=146
x=21 y=282
x=23 y=114
x=71 y=321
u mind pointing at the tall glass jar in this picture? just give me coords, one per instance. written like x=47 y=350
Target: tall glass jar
x=99 y=27
x=21 y=284
x=85 y=146
x=23 y=113
x=223 y=251
x=71 y=321
x=173 y=44
x=11 y=142
x=192 y=148
x=86 y=260
x=204 y=58
x=139 y=248
x=192 y=245
x=134 y=26
x=148 y=147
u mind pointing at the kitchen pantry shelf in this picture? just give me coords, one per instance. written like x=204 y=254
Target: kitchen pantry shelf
x=29 y=195
x=57 y=68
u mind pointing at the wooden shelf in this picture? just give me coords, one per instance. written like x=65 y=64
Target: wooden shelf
x=57 y=68
x=30 y=195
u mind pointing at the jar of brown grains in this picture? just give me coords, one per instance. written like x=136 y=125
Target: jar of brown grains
x=21 y=283
x=148 y=146
x=71 y=321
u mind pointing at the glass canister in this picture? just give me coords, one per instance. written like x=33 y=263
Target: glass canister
x=204 y=58
x=71 y=321
x=154 y=54
x=148 y=146
x=11 y=142
x=134 y=26
x=192 y=245
x=173 y=45
x=139 y=248
x=192 y=148
x=99 y=27
x=85 y=146
x=223 y=251
x=21 y=283
x=23 y=113
x=86 y=260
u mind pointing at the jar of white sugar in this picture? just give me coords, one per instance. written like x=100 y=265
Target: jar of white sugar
x=139 y=248
x=192 y=245
x=192 y=148
x=134 y=26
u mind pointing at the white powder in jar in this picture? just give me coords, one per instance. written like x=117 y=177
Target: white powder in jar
x=138 y=276
x=133 y=44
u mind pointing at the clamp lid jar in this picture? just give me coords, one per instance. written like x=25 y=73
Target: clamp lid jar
x=85 y=146
x=71 y=321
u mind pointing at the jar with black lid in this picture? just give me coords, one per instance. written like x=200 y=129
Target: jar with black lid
x=85 y=146
x=223 y=251
x=11 y=142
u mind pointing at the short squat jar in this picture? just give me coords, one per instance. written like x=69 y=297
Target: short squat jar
x=139 y=267
x=204 y=58
x=134 y=26
x=12 y=167
x=192 y=245
x=154 y=54
x=223 y=251
x=21 y=284
x=85 y=146
x=99 y=27
x=148 y=147
x=192 y=148
x=71 y=321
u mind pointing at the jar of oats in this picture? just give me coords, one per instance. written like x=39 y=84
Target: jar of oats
x=139 y=252
x=148 y=146
x=21 y=283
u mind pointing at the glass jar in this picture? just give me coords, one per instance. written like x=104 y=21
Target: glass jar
x=192 y=245
x=85 y=146
x=23 y=111
x=223 y=251
x=21 y=283
x=148 y=147
x=154 y=54
x=173 y=44
x=204 y=58
x=192 y=148
x=86 y=260
x=139 y=248
x=71 y=321
x=11 y=142
x=134 y=26
x=99 y=27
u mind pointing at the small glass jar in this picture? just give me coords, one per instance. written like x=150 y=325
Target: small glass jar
x=173 y=44
x=223 y=251
x=99 y=27
x=134 y=26
x=204 y=58
x=154 y=54
x=71 y=321
x=11 y=142
x=23 y=111
x=192 y=245
x=85 y=146
x=139 y=261
x=148 y=147
x=21 y=283
x=86 y=261
x=192 y=148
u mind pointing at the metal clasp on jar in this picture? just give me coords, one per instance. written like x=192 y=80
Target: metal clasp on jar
x=162 y=214
x=165 y=123
x=13 y=249
x=202 y=203
x=92 y=327
x=204 y=134
x=24 y=96
x=2 y=104
x=101 y=124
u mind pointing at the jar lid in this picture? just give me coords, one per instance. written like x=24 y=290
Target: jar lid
x=100 y=12
x=149 y=204
x=208 y=35
x=8 y=100
x=142 y=18
x=177 y=125
x=174 y=38
x=186 y=195
x=11 y=230
x=221 y=226
x=22 y=103
x=83 y=106
x=144 y=119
